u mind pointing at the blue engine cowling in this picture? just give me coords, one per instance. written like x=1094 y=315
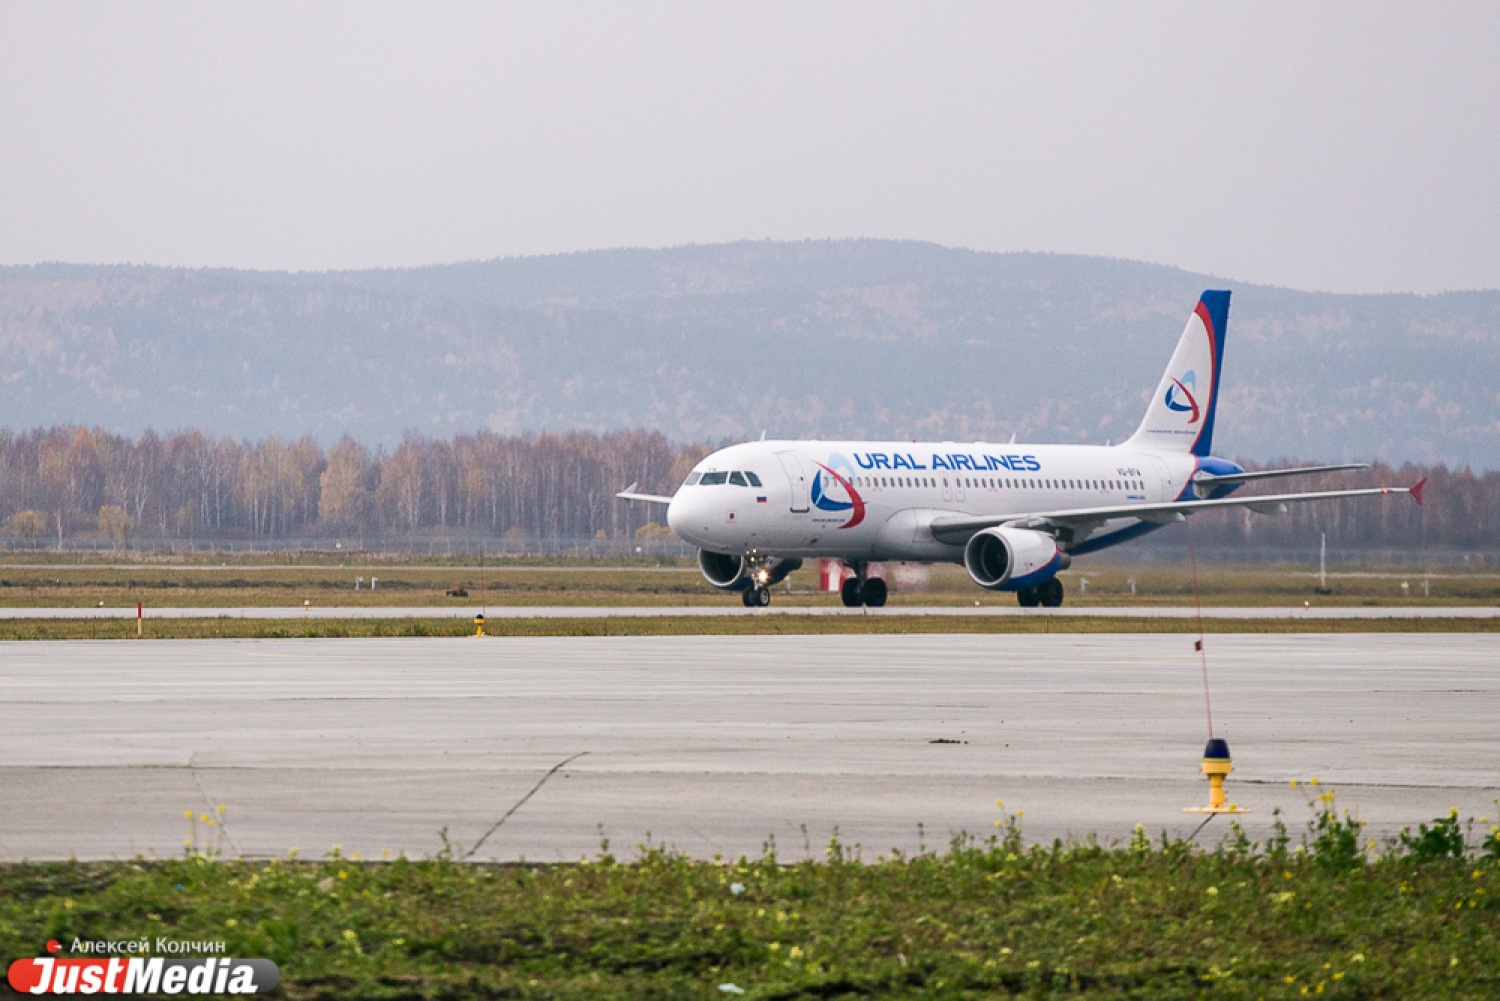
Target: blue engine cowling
x=735 y=573
x=1012 y=559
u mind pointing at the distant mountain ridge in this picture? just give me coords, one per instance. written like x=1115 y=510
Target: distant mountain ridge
x=833 y=338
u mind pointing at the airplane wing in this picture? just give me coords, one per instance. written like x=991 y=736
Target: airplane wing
x=629 y=494
x=954 y=528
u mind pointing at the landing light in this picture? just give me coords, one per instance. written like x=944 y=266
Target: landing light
x=762 y=575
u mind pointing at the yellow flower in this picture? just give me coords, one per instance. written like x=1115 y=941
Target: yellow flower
x=231 y=923
x=343 y=874
x=188 y=814
x=775 y=946
x=203 y=818
x=222 y=808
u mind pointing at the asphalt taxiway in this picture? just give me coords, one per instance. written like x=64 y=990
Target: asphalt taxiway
x=716 y=744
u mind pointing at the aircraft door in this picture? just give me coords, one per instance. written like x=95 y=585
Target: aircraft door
x=1163 y=479
x=947 y=490
x=794 y=473
x=958 y=489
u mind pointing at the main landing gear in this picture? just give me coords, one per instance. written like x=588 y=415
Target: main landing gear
x=862 y=590
x=1048 y=594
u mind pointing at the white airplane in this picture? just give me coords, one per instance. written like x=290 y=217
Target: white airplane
x=1013 y=515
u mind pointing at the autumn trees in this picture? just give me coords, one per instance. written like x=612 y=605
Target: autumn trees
x=188 y=485
x=57 y=482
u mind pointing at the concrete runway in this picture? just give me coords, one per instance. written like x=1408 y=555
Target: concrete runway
x=711 y=744
x=732 y=607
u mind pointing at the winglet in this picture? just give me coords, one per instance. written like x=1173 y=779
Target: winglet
x=630 y=489
x=1416 y=489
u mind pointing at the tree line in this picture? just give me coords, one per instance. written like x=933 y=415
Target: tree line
x=76 y=482
x=62 y=482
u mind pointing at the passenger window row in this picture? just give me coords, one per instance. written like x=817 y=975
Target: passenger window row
x=997 y=483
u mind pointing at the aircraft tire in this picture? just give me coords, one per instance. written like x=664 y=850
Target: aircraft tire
x=759 y=597
x=1051 y=593
x=1028 y=598
x=850 y=592
x=874 y=592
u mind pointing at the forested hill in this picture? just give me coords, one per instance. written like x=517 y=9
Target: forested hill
x=857 y=338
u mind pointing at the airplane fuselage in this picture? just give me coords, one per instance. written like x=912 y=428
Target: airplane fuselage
x=860 y=500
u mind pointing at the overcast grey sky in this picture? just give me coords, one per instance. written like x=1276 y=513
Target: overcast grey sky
x=1345 y=147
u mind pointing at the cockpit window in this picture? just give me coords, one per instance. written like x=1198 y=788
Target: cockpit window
x=754 y=480
x=737 y=479
x=713 y=479
x=692 y=478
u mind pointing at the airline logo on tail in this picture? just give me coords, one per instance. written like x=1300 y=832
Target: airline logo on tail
x=820 y=499
x=1184 y=389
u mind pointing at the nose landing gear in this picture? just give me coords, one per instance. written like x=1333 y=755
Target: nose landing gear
x=756 y=597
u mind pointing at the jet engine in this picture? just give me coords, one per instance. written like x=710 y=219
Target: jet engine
x=738 y=573
x=1012 y=559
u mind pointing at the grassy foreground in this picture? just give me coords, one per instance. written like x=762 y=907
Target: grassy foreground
x=727 y=625
x=1148 y=920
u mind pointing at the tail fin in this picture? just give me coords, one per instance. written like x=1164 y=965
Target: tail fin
x=1180 y=417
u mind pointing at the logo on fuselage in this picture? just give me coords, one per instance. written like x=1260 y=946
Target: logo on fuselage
x=1183 y=390
x=821 y=499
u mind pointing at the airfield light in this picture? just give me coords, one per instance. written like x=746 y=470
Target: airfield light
x=1216 y=765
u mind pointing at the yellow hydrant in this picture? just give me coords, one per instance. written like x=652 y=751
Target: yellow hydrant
x=479 y=624
x=1216 y=765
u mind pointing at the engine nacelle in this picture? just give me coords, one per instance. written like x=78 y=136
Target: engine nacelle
x=736 y=573
x=1013 y=559
x=726 y=572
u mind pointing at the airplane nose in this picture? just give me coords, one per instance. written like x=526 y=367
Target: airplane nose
x=676 y=514
x=686 y=517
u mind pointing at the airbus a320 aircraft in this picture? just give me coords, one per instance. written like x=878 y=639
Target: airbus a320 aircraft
x=1013 y=515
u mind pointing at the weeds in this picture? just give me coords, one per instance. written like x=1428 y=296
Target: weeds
x=1151 y=917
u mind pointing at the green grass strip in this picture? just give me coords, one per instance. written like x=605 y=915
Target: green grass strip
x=980 y=920
x=728 y=625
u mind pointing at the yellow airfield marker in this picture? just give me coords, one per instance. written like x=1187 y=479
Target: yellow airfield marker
x=1216 y=765
x=479 y=624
